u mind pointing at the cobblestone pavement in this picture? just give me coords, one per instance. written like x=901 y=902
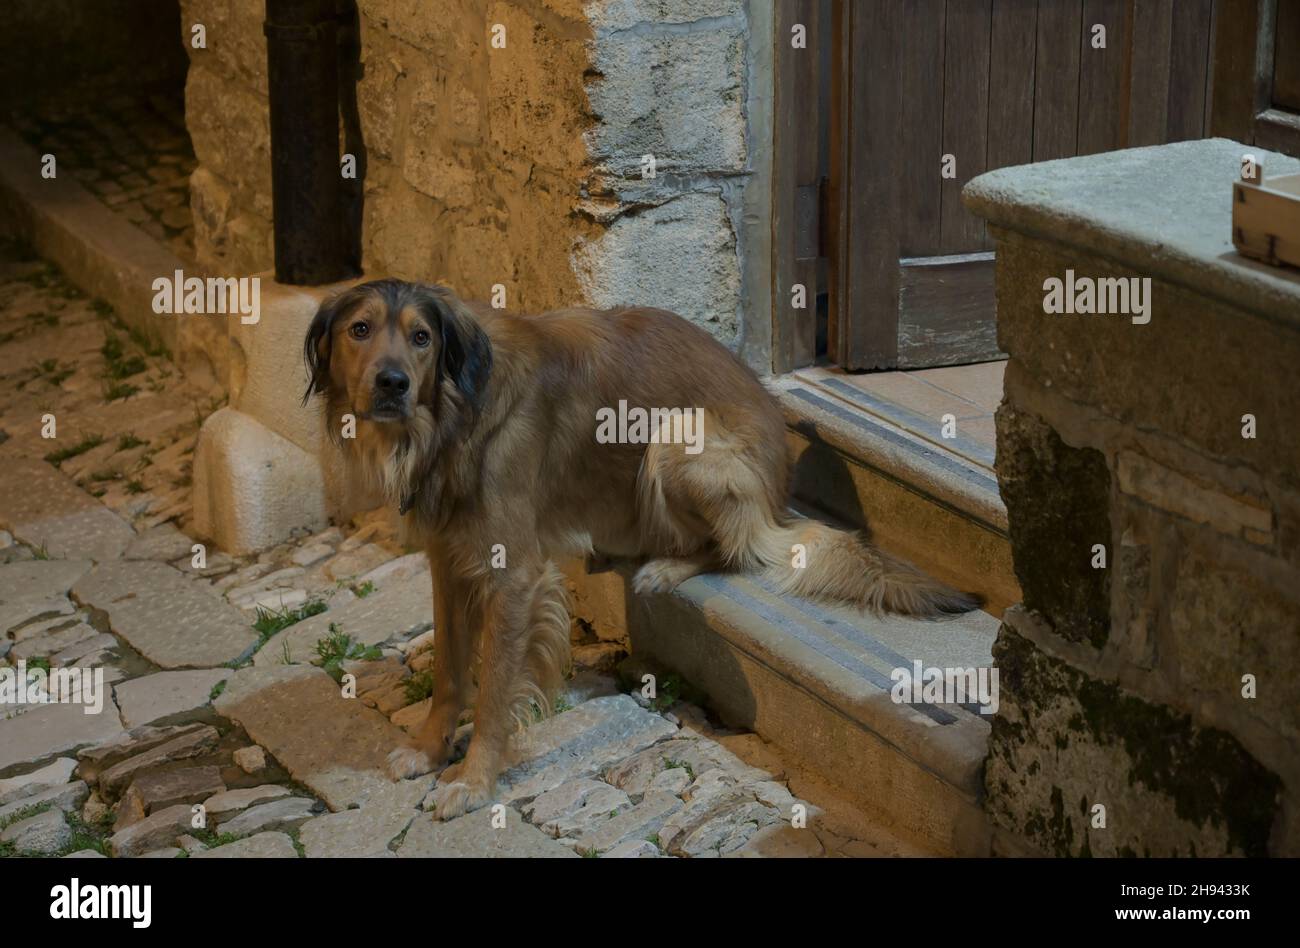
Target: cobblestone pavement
x=129 y=148
x=252 y=700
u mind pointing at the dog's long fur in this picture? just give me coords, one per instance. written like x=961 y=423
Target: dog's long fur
x=492 y=451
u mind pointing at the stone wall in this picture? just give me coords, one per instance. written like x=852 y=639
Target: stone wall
x=1125 y=682
x=518 y=166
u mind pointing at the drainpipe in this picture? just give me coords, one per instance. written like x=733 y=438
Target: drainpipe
x=303 y=75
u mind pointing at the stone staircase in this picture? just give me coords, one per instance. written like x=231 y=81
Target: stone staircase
x=816 y=680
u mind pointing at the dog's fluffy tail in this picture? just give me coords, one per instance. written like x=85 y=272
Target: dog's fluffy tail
x=817 y=561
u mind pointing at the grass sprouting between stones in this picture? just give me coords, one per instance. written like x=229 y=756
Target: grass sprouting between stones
x=339 y=647
x=419 y=686
x=81 y=447
x=271 y=621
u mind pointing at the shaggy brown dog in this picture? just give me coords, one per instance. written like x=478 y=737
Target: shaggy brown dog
x=491 y=434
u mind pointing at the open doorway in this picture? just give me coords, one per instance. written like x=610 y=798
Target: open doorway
x=101 y=87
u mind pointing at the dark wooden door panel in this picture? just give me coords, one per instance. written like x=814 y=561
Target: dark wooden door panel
x=1056 y=79
x=1189 y=69
x=1103 y=71
x=965 y=118
x=1013 y=40
x=923 y=126
x=1286 y=58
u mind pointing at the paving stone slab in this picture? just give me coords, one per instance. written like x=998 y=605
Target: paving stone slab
x=144 y=700
x=473 y=836
x=334 y=745
x=48 y=729
x=580 y=743
x=99 y=757
x=640 y=822
x=59 y=612
x=95 y=646
x=66 y=797
x=163 y=543
x=172 y=621
x=25 y=785
x=261 y=846
x=365 y=832
x=192 y=744
x=577 y=807
x=43 y=507
x=155 y=830
x=33 y=617
x=45 y=833
x=401 y=607
x=28 y=585
x=43 y=645
x=690 y=755
x=725 y=831
x=286 y=814
x=161 y=789
x=633 y=849
x=234 y=801
x=780 y=841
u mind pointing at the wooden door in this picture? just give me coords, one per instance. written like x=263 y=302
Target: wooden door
x=926 y=94
x=1257 y=74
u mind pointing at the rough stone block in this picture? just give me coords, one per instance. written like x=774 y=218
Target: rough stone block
x=1063 y=743
x=252 y=487
x=641 y=258
x=1058 y=508
x=676 y=94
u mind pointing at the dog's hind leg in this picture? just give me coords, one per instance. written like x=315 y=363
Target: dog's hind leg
x=453 y=648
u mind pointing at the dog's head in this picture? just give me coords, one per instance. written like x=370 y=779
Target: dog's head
x=386 y=349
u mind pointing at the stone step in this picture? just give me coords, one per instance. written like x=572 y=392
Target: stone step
x=859 y=461
x=816 y=681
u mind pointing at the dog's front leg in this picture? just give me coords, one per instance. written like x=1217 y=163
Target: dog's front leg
x=502 y=694
x=453 y=646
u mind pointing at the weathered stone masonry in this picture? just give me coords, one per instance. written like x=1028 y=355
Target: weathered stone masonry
x=1123 y=686
x=518 y=166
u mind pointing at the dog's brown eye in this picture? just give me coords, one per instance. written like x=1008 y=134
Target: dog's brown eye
x=359 y=330
x=420 y=338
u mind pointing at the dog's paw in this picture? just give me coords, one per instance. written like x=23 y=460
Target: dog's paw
x=451 y=800
x=407 y=762
x=662 y=575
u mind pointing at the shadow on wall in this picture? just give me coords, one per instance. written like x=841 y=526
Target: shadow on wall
x=52 y=46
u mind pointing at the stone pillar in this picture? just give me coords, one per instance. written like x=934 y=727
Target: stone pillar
x=263 y=466
x=1150 y=679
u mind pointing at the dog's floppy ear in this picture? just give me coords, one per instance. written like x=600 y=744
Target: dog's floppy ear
x=466 y=356
x=316 y=347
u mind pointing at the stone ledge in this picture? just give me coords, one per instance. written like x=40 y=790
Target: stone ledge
x=98 y=250
x=1169 y=205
